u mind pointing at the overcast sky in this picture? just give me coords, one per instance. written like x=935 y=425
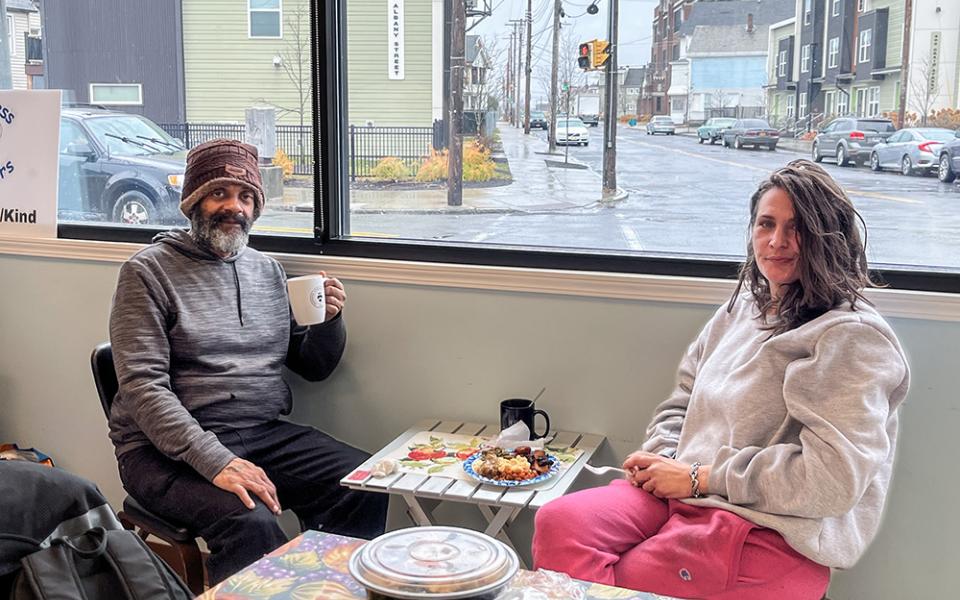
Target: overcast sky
x=636 y=18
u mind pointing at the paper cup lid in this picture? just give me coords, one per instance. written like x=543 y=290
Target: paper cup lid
x=433 y=562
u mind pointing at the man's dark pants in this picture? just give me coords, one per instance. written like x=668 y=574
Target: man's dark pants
x=306 y=465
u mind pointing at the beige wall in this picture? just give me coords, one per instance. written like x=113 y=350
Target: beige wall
x=226 y=71
x=418 y=352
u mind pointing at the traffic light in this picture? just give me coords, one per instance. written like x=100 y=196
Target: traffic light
x=600 y=54
x=585 y=59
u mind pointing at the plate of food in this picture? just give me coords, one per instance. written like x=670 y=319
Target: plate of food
x=511 y=468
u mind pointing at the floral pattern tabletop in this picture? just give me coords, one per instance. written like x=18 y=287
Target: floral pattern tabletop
x=314 y=567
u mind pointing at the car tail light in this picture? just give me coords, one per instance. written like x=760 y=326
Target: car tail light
x=927 y=146
x=857 y=135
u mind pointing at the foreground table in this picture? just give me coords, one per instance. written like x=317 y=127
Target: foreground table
x=314 y=566
x=499 y=505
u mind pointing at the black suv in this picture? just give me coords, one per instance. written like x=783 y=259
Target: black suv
x=119 y=167
x=538 y=120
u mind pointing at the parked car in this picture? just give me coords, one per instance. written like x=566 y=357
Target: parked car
x=661 y=124
x=572 y=131
x=911 y=150
x=949 y=160
x=538 y=120
x=755 y=132
x=851 y=139
x=712 y=130
x=119 y=165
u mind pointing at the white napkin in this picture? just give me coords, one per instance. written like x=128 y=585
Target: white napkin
x=516 y=435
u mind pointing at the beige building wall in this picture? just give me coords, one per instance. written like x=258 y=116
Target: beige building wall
x=226 y=71
x=374 y=98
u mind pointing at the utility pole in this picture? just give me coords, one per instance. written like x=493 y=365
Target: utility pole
x=905 y=69
x=551 y=134
x=526 y=97
x=518 y=65
x=610 y=120
x=6 y=75
x=513 y=35
x=455 y=147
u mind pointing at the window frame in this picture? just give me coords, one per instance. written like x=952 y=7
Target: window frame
x=873 y=101
x=865 y=51
x=250 y=11
x=806 y=52
x=138 y=102
x=12 y=35
x=802 y=105
x=807 y=11
x=833 y=53
x=782 y=64
x=331 y=182
x=843 y=103
x=835 y=10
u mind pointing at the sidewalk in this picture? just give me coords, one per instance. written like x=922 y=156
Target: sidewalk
x=538 y=186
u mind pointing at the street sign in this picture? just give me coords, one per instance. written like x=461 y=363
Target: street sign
x=564 y=86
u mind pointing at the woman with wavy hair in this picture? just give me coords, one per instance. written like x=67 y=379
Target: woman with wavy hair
x=769 y=463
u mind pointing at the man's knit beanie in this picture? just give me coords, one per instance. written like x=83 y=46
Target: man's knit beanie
x=218 y=162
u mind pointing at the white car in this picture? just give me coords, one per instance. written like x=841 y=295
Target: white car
x=661 y=124
x=572 y=131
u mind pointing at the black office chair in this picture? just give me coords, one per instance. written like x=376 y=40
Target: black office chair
x=133 y=516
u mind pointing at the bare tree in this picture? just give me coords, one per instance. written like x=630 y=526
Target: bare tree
x=295 y=65
x=924 y=88
x=719 y=99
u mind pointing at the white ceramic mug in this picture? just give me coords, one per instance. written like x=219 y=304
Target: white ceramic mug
x=308 y=299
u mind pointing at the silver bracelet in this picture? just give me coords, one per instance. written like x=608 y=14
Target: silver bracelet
x=694 y=482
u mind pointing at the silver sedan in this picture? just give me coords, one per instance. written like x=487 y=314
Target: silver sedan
x=911 y=151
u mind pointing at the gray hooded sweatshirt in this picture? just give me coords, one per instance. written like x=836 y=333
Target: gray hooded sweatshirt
x=800 y=428
x=199 y=343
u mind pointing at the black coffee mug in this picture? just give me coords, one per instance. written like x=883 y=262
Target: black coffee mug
x=517 y=409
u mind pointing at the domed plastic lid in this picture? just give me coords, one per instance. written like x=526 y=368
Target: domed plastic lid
x=433 y=562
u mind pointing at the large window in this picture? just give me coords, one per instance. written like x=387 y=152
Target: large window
x=833 y=53
x=782 y=64
x=376 y=141
x=836 y=8
x=11 y=35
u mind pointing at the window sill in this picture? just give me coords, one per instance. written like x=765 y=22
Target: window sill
x=934 y=306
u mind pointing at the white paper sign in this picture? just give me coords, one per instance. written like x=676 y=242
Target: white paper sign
x=29 y=162
x=395 y=39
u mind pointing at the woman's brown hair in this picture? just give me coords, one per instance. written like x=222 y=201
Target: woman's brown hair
x=832 y=266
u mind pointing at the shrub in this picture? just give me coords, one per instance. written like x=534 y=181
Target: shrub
x=280 y=159
x=947 y=117
x=390 y=168
x=434 y=168
x=477 y=165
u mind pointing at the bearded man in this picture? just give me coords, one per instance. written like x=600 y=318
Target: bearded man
x=201 y=327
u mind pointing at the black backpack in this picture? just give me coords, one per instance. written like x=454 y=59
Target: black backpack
x=98 y=564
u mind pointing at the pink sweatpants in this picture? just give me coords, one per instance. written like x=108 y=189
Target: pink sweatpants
x=621 y=535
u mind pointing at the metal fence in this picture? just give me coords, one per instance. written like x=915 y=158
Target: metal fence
x=369 y=145
x=737 y=112
x=294 y=140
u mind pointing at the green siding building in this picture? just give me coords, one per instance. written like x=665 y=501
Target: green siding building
x=243 y=53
